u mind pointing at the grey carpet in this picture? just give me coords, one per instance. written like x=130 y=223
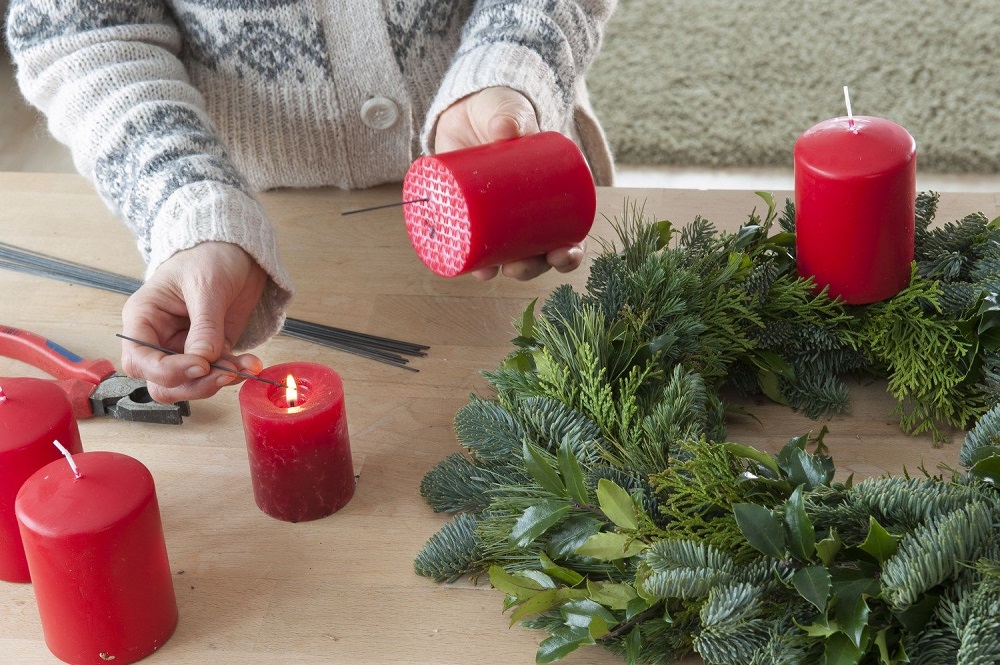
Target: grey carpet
x=733 y=83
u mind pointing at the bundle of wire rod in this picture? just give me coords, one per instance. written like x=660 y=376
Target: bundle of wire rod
x=381 y=349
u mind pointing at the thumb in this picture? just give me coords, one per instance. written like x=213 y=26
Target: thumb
x=509 y=114
x=206 y=334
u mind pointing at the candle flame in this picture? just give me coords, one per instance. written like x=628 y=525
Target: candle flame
x=291 y=391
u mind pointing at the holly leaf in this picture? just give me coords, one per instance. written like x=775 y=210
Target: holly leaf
x=664 y=229
x=852 y=616
x=536 y=520
x=761 y=528
x=582 y=612
x=799 y=531
x=813 y=584
x=566 y=537
x=839 y=650
x=828 y=548
x=543 y=601
x=987 y=469
x=771 y=387
x=617 y=504
x=526 y=326
x=808 y=470
x=536 y=461
x=563 y=641
x=880 y=543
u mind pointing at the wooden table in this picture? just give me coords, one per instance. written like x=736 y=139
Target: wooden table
x=252 y=589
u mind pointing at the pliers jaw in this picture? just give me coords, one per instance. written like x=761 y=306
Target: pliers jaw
x=125 y=398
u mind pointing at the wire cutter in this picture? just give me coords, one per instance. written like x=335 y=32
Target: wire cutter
x=93 y=386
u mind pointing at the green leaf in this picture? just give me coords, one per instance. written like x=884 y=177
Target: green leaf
x=633 y=646
x=761 y=528
x=570 y=577
x=543 y=601
x=879 y=542
x=917 y=615
x=763 y=460
x=572 y=474
x=852 y=616
x=514 y=585
x=580 y=613
x=598 y=628
x=526 y=327
x=799 y=532
x=545 y=581
x=664 y=229
x=536 y=461
x=828 y=548
x=840 y=651
x=987 y=469
x=536 y=520
x=608 y=546
x=610 y=594
x=771 y=387
x=617 y=504
x=808 y=470
x=636 y=606
x=771 y=361
x=563 y=641
x=813 y=584
x=565 y=538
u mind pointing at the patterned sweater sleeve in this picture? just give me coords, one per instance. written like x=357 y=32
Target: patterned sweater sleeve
x=541 y=48
x=108 y=79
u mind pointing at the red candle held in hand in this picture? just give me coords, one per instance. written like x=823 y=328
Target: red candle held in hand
x=33 y=414
x=98 y=561
x=855 y=188
x=297 y=442
x=498 y=202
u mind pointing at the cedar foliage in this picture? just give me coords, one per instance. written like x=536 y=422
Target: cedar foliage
x=600 y=494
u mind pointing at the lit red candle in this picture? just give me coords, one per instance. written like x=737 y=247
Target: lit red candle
x=297 y=442
x=94 y=543
x=33 y=413
x=498 y=202
x=855 y=188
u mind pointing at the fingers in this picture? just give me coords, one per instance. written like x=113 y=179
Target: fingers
x=491 y=114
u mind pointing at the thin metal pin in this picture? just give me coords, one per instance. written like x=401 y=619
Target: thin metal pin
x=387 y=205
x=245 y=375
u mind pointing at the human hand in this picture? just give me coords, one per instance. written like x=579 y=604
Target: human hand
x=496 y=114
x=197 y=303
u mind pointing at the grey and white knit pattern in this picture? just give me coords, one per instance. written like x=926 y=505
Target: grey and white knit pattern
x=179 y=110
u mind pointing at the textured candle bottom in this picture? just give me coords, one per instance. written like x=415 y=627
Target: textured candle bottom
x=438 y=227
x=298 y=483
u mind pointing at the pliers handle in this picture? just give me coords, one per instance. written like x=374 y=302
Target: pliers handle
x=92 y=385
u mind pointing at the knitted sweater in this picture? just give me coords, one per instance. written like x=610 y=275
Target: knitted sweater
x=179 y=110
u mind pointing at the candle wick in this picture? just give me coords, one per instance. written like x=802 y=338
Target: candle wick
x=3 y=397
x=850 y=114
x=69 y=458
x=387 y=205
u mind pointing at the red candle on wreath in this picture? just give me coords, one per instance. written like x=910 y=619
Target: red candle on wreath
x=297 y=441
x=498 y=202
x=855 y=192
x=94 y=543
x=33 y=413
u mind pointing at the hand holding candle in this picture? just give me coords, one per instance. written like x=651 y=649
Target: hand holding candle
x=297 y=442
x=33 y=413
x=855 y=193
x=498 y=202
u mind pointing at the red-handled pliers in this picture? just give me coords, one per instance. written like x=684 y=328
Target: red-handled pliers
x=93 y=387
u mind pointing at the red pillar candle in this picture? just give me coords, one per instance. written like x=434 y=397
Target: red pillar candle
x=33 y=414
x=498 y=202
x=98 y=561
x=299 y=449
x=855 y=188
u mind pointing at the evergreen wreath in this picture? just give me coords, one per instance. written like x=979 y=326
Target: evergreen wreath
x=601 y=496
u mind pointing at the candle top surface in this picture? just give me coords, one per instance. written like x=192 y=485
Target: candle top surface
x=835 y=149
x=31 y=410
x=112 y=486
x=319 y=388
